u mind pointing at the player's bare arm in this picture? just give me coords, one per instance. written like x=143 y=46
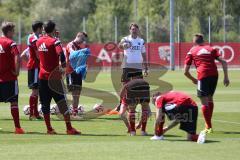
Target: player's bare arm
x=173 y=124
x=226 y=81
x=17 y=62
x=188 y=74
x=145 y=64
x=25 y=55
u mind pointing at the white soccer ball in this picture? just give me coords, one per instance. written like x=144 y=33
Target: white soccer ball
x=81 y=109
x=54 y=110
x=98 y=108
x=26 y=110
x=40 y=109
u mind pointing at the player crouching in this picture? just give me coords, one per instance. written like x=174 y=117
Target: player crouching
x=179 y=108
x=134 y=92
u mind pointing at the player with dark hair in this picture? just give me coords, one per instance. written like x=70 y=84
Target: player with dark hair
x=9 y=71
x=33 y=68
x=74 y=80
x=204 y=56
x=179 y=108
x=50 y=53
x=134 y=53
x=134 y=92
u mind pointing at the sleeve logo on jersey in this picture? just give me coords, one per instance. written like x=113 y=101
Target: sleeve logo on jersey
x=42 y=48
x=169 y=107
x=1 y=49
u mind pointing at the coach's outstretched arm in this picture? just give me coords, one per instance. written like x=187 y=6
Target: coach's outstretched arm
x=226 y=81
x=188 y=74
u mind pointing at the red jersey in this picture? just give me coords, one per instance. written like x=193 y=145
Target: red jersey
x=8 y=51
x=33 y=60
x=203 y=57
x=71 y=46
x=174 y=99
x=49 y=49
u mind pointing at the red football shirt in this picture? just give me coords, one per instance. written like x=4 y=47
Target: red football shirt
x=8 y=51
x=203 y=57
x=33 y=60
x=174 y=99
x=49 y=49
x=71 y=46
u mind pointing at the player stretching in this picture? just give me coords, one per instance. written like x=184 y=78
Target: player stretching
x=9 y=71
x=179 y=108
x=74 y=80
x=50 y=53
x=136 y=91
x=33 y=68
x=204 y=56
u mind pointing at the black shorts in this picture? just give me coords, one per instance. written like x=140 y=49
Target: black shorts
x=126 y=71
x=9 y=91
x=74 y=81
x=207 y=86
x=47 y=92
x=138 y=92
x=187 y=115
x=33 y=78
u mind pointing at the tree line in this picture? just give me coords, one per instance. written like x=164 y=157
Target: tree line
x=100 y=18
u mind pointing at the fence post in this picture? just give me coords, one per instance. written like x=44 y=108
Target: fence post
x=172 y=59
x=116 y=29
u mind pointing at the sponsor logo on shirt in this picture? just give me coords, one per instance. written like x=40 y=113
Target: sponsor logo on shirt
x=42 y=48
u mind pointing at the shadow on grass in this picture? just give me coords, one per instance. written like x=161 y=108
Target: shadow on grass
x=226 y=132
x=184 y=140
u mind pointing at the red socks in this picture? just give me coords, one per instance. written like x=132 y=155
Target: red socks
x=15 y=115
x=131 y=118
x=47 y=122
x=33 y=102
x=144 y=119
x=207 y=116
x=194 y=137
x=68 y=121
x=211 y=107
x=159 y=129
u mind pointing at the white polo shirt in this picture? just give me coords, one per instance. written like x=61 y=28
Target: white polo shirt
x=133 y=55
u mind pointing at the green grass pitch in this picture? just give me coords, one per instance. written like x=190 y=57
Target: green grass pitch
x=105 y=138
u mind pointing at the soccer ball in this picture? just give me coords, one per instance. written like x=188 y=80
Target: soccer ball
x=80 y=109
x=127 y=44
x=98 y=108
x=40 y=109
x=26 y=110
x=54 y=110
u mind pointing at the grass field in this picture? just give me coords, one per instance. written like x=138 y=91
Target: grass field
x=105 y=138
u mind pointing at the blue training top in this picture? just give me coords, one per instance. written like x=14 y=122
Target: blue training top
x=78 y=61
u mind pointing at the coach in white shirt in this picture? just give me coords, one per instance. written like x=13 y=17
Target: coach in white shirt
x=134 y=59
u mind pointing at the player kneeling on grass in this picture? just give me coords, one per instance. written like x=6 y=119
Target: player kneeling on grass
x=179 y=108
x=9 y=71
x=50 y=77
x=136 y=91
